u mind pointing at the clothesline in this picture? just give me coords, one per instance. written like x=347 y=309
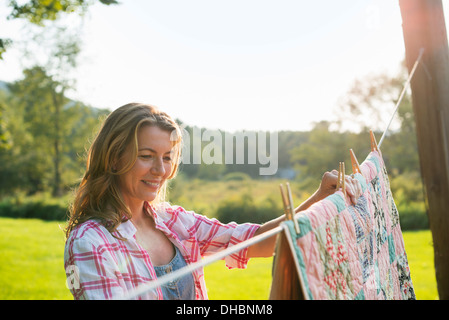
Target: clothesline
x=142 y=289
x=407 y=83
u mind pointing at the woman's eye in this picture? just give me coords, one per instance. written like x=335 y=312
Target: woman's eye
x=150 y=156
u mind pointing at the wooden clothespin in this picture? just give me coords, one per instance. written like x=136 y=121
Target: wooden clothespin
x=373 y=142
x=355 y=163
x=341 y=178
x=289 y=209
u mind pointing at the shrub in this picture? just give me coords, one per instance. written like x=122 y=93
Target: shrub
x=243 y=209
x=413 y=216
x=236 y=176
x=37 y=207
x=407 y=187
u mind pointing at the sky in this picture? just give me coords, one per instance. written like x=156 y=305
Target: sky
x=230 y=65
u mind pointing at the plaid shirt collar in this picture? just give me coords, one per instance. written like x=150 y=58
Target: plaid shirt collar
x=127 y=229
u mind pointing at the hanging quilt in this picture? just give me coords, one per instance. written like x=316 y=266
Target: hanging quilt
x=346 y=251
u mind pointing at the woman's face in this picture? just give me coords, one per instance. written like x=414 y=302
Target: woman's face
x=152 y=167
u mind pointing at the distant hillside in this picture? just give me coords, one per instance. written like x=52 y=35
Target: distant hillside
x=3 y=85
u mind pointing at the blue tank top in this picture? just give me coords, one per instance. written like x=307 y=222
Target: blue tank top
x=179 y=289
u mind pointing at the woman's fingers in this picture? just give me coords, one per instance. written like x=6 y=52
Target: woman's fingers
x=353 y=188
x=352 y=185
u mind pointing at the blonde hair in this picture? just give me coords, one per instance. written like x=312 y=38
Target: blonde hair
x=98 y=195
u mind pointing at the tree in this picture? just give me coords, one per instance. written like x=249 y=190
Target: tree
x=4 y=44
x=42 y=105
x=43 y=90
x=24 y=164
x=5 y=136
x=323 y=151
x=42 y=94
x=39 y=11
x=370 y=101
x=28 y=164
x=369 y=104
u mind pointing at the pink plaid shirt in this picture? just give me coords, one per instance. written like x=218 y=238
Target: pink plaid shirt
x=100 y=266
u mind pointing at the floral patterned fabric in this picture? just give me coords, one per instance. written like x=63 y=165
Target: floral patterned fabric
x=347 y=251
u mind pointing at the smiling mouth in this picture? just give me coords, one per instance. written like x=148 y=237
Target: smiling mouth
x=151 y=184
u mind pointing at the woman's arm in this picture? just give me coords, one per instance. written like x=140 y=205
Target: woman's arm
x=327 y=187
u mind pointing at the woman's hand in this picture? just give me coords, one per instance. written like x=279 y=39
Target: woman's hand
x=329 y=184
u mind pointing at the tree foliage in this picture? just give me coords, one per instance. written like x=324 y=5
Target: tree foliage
x=39 y=11
x=369 y=104
x=28 y=164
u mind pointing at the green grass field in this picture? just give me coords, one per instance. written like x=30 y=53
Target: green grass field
x=31 y=256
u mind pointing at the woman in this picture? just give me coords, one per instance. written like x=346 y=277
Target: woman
x=121 y=233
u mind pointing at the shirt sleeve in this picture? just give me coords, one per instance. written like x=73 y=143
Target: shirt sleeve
x=90 y=276
x=214 y=236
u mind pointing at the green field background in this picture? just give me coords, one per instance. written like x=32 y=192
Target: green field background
x=31 y=266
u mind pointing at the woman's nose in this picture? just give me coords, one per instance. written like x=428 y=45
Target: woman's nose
x=158 y=167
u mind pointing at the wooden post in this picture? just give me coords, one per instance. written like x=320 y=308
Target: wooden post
x=424 y=27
